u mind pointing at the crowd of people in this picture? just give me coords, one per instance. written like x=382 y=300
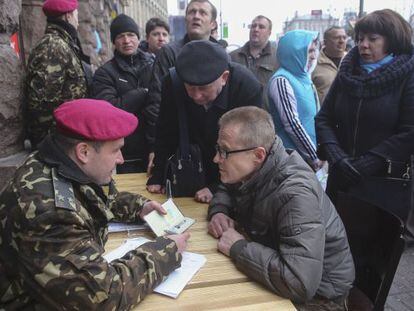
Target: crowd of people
x=265 y=118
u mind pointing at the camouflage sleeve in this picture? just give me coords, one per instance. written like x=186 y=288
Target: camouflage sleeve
x=61 y=259
x=54 y=76
x=126 y=205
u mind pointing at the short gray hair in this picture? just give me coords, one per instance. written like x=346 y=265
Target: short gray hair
x=266 y=18
x=256 y=128
x=328 y=31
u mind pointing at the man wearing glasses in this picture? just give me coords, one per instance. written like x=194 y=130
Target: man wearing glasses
x=293 y=241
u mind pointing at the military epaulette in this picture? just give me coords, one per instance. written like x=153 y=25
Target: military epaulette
x=64 y=194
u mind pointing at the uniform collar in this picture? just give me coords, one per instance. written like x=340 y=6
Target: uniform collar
x=54 y=156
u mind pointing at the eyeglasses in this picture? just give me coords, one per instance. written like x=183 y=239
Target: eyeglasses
x=224 y=154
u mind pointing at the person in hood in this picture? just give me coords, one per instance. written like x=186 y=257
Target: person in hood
x=292 y=97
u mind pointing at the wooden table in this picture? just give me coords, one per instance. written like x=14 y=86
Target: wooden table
x=218 y=285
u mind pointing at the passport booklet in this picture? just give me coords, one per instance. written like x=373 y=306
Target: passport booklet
x=174 y=222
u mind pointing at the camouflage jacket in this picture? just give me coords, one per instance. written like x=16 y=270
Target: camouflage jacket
x=55 y=74
x=53 y=228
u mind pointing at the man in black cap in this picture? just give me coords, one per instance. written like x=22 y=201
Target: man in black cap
x=209 y=86
x=200 y=19
x=124 y=81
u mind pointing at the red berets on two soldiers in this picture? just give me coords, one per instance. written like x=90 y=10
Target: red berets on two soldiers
x=59 y=7
x=93 y=120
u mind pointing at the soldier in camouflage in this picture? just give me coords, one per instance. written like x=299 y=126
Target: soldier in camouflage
x=57 y=69
x=54 y=215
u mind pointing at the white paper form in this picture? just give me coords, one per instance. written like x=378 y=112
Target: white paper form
x=178 y=279
x=123 y=227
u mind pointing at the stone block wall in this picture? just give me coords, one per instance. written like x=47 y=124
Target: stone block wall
x=11 y=96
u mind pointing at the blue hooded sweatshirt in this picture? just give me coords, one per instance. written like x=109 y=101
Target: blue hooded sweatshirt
x=292 y=54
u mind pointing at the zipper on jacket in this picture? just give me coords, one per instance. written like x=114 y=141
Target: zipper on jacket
x=356 y=127
x=389 y=166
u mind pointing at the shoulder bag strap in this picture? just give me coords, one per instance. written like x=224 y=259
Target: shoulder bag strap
x=178 y=91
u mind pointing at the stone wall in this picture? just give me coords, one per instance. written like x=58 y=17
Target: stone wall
x=95 y=15
x=11 y=75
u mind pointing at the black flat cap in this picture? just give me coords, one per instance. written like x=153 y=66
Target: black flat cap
x=201 y=62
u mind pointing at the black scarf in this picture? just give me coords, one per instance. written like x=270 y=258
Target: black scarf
x=377 y=83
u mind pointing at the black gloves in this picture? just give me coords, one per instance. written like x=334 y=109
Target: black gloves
x=346 y=172
x=368 y=164
x=333 y=153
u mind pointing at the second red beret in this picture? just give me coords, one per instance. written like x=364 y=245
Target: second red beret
x=59 y=7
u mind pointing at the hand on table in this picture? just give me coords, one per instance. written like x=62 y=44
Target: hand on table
x=228 y=238
x=203 y=195
x=156 y=189
x=219 y=223
x=150 y=206
x=180 y=240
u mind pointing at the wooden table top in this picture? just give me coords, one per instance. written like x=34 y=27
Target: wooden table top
x=218 y=285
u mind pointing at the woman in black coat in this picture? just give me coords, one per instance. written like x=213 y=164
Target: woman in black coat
x=366 y=124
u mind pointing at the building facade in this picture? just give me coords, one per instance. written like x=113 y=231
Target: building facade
x=143 y=10
x=316 y=21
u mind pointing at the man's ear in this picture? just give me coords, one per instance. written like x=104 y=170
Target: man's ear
x=260 y=154
x=225 y=77
x=68 y=16
x=82 y=152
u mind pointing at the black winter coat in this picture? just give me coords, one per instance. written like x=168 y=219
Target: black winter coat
x=370 y=113
x=241 y=89
x=165 y=60
x=124 y=81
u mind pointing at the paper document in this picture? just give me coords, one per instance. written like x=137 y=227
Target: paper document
x=127 y=246
x=178 y=279
x=121 y=227
x=322 y=176
x=173 y=222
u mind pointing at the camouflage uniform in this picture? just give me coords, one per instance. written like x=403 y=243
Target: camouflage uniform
x=55 y=75
x=53 y=228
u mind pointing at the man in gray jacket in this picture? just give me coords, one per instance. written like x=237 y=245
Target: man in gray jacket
x=293 y=240
x=259 y=54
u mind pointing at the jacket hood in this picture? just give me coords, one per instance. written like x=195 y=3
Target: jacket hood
x=292 y=51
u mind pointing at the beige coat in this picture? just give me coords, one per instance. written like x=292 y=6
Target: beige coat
x=323 y=75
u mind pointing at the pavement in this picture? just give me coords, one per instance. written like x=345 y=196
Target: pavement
x=401 y=295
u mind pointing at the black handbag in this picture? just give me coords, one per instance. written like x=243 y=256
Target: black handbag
x=185 y=167
x=393 y=192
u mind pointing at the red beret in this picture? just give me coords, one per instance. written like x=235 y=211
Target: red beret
x=59 y=7
x=95 y=120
